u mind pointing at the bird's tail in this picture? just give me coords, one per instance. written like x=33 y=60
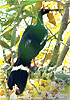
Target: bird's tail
x=19 y=78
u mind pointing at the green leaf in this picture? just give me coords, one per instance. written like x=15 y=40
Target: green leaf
x=29 y=13
x=13 y=37
x=10 y=20
x=4 y=44
x=7 y=35
x=30 y=2
x=12 y=2
x=10 y=9
x=62 y=76
x=17 y=39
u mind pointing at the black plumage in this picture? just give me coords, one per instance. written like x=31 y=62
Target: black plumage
x=31 y=43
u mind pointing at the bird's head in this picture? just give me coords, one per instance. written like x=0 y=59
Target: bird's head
x=41 y=13
x=44 y=11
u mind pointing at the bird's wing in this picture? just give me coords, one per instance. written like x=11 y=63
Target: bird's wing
x=29 y=37
x=26 y=39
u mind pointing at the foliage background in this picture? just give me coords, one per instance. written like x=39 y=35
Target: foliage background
x=16 y=15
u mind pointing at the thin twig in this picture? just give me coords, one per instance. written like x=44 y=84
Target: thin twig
x=35 y=87
x=46 y=53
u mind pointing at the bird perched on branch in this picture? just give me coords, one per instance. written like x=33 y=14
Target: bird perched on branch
x=32 y=42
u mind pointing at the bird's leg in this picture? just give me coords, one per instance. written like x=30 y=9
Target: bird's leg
x=34 y=63
x=35 y=67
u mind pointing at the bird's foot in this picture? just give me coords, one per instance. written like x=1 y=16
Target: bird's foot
x=33 y=68
x=16 y=89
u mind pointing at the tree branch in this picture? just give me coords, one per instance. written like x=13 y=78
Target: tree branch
x=63 y=27
x=63 y=53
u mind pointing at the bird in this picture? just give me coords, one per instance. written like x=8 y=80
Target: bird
x=32 y=42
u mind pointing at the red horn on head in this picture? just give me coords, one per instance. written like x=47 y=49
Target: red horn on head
x=43 y=5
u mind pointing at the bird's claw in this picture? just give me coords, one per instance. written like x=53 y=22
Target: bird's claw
x=16 y=89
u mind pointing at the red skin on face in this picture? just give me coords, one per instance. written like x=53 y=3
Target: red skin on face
x=43 y=7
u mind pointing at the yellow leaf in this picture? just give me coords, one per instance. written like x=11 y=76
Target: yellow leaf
x=35 y=93
x=66 y=35
x=1 y=62
x=3 y=99
x=51 y=18
x=52 y=87
x=49 y=56
x=47 y=88
x=5 y=6
x=8 y=28
x=49 y=81
x=25 y=93
x=36 y=83
x=57 y=17
x=42 y=88
x=65 y=61
x=45 y=82
x=27 y=7
x=28 y=84
x=43 y=3
x=51 y=5
x=45 y=49
x=34 y=20
x=1 y=89
x=1 y=94
x=17 y=44
x=21 y=33
x=61 y=48
x=2 y=75
x=51 y=46
x=40 y=56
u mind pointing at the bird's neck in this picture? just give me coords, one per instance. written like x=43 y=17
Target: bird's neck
x=40 y=15
x=40 y=18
